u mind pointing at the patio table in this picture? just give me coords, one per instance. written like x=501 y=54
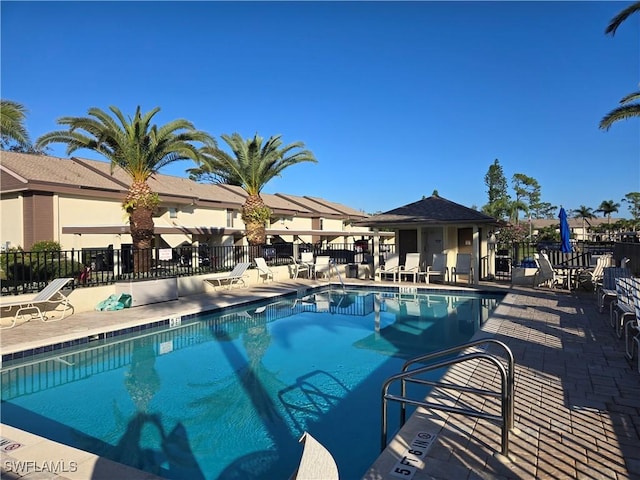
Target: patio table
x=571 y=272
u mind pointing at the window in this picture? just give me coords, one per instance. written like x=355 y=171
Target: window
x=230 y=216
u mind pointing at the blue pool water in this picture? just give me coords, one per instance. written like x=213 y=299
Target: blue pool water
x=228 y=395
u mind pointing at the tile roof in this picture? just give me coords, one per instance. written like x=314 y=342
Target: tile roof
x=53 y=170
x=323 y=207
x=275 y=202
x=170 y=185
x=433 y=210
x=41 y=170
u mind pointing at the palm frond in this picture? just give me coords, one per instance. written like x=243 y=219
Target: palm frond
x=620 y=18
x=621 y=113
x=12 y=117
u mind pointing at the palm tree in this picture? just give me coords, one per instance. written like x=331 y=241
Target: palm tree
x=584 y=213
x=627 y=109
x=12 y=129
x=251 y=166
x=607 y=207
x=141 y=149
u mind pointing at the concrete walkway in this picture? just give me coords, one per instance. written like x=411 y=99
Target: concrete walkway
x=577 y=401
x=577 y=397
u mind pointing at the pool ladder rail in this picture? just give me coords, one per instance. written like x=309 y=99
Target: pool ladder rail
x=506 y=394
x=332 y=264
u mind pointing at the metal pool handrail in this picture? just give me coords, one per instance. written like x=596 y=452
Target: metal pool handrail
x=506 y=394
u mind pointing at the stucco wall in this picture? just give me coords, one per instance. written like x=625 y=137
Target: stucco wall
x=11 y=221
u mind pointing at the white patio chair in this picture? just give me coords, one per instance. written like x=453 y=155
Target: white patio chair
x=411 y=267
x=591 y=278
x=632 y=328
x=391 y=267
x=438 y=268
x=300 y=268
x=624 y=310
x=606 y=291
x=463 y=267
x=546 y=275
x=263 y=269
x=322 y=266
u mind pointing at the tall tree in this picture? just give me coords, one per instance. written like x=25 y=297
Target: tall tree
x=627 y=108
x=141 y=149
x=527 y=190
x=585 y=213
x=499 y=200
x=544 y=210
x=12 y=128
x=251 y=165
x=633 y=199
x=607 y=207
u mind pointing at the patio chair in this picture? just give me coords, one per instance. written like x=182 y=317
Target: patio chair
x=632 y=328
x=463 y=267
x=546 y=275
x=299 y=267
x=234 y=277
x=391 y=267
x=606 y=291
x=51 y=294
x=438 y=268
x=591 y=278
x=322 y=266
x=624 y=310
x=263 y=269
x=411 y=267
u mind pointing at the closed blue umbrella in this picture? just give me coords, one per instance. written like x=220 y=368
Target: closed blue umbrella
x=565 y=232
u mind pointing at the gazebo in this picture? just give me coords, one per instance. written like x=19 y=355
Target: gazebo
x=437 y=225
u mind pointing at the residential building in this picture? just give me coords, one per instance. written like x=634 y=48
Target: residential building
x=78 y=203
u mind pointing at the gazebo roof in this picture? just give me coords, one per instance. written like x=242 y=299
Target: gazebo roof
x=432 y=210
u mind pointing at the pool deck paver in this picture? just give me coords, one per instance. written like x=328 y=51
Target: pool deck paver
x=577 y=398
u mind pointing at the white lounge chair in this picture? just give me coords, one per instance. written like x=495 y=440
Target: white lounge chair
x=234 y=277
x=463 y=267
x=263 y=269
x=411 y=267
x=546 y=275
x=391 y=266
x=49 y=295
x=438 y=268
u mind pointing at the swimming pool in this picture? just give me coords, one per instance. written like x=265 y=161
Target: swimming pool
x=227 y=395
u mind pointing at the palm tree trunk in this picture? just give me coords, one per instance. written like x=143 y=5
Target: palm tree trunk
x=142 y=228
x=140 y=204
x=255 y=214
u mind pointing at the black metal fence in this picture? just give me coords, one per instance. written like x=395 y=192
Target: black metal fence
x=522 y=254
x=27 y=272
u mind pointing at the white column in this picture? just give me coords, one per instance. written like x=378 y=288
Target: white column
x=376 y=252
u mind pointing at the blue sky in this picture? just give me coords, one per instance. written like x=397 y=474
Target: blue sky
x=395 y=99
